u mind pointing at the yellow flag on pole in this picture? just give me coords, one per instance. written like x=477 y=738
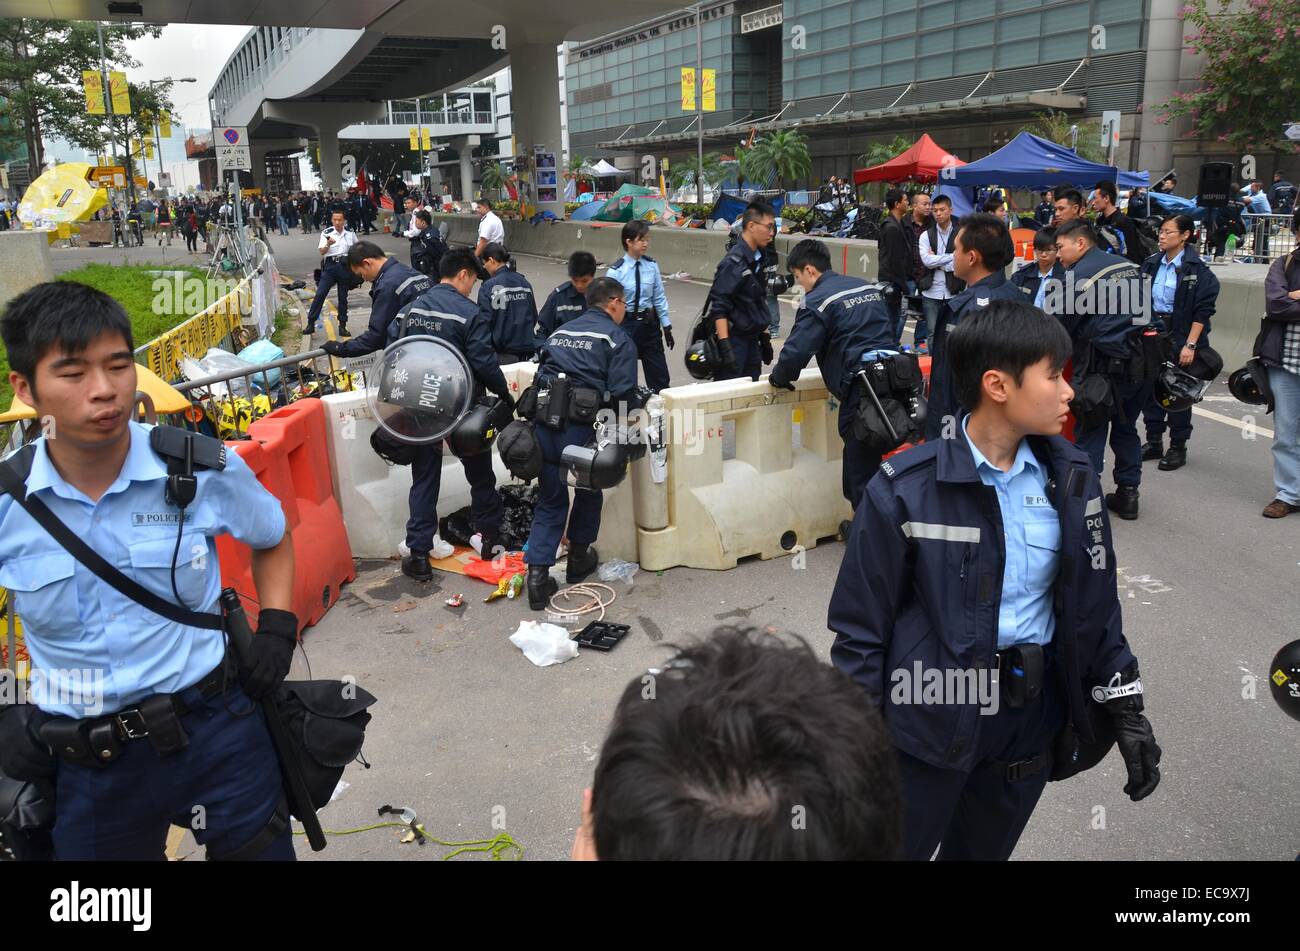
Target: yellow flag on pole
x=428 y=140
x=688 y=89
x=93 y=81
x=119 y=92
x=165 y=125
x=415 y=139
x=710 y=90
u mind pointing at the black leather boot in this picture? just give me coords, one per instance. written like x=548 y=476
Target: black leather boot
x=540 y=586
x=1153 y=449
x=1175 y=458
x=582 y=562
x=416 y=566
x=1123 y=501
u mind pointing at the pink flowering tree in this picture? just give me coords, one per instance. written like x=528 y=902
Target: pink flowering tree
x=1251 y=80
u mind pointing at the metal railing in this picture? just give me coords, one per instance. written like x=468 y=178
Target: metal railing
x=446 y=117
x=1270 y=237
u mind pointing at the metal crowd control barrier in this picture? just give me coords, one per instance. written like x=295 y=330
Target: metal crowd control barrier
x=1271 y=237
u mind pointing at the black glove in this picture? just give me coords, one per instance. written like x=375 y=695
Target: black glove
x=272 y=652
x=332 y=347
x=779 y=382
x=508 y=400
x=765 y=348
x=726 y=356
x=24 y=756
x=1136 y=741
x=668 y=337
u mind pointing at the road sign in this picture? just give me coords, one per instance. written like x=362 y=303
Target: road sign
x=1110 y=120
x=107 y=176
x=1293 y=132
x=232 y=148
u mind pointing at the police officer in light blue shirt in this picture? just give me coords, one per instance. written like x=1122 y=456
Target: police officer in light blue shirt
x=647 y=304
x=147 y=717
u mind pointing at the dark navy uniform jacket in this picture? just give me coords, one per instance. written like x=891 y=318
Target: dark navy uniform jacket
x=1194 y=300
x=446 y=313
x=592 y=351
x=427 y=249
x=562 y=305
x=506 y=301
x=1096 y=318
x=395 y=286
x=739 y=292
x=1029 y=278
x=943 y=395
x=921 y=582
x=841 y=319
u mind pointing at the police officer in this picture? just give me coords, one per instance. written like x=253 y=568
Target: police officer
x=1184 y=292
x=446 y=311
x=118 y=688
x=968 y=611
x=1103 y=303
x=507 y=303
x=335 y=243
x=842 y=319
x=647 y=304
x=427 y=246
x=1032 y=279
x=393 y=285
x=569 y=300
x=595 y=353
x=981 y=252
x=737 y=304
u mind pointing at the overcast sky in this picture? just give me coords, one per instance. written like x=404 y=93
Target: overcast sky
x=185 y=50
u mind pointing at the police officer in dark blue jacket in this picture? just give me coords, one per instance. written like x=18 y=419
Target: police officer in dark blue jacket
x=1184 y=293
x=1102 y=304
x=427 y=246
x=393 y=286
x=1032 y=279
x=446 y=311
x=842 y=319
x=977 y=605
x=981 y=252
x=506 y=300
x=737 y=305
x=593 y=353
x=569 y=300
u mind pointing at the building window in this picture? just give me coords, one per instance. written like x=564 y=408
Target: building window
x=865 y=9
x=866 y=78
x=940 y=14
x=900 y=23
x=868 y=30
x=897 y=74
x=1067 y=46
x=968 y=10
x=937 y=42
x=900 y=49
x=978 y=34
x=1019 y=28
x=973 y=61
x=1020 y=53
x=934 y=67
x=866 y=55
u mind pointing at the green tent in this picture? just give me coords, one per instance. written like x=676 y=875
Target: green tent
x=636 y=201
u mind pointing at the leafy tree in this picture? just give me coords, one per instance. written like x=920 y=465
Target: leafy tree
x=494 y=178
x=879 y=152
x=41 y=62
x=683 y=174
x=783 y=154
x=1055 y=127
x=1249 y=80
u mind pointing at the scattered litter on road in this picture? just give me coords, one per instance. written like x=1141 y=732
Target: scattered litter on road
x=617 y=570
x=340 y=789
x=404 y=606
x=455 y=601
x=544 y=644
x=602 y=635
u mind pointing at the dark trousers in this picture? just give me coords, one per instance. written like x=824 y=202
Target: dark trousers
x=331 y=275
x=1180 y=423
x=860 y=463
x=486 y=508
x=749 y=361
x=552 y=512
x=224 y=786
x=1130 y=398
x=649 y=342
x=192 y=241
x=898 y=313
x=979 y=814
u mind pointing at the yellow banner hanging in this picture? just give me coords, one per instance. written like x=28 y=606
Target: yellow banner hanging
x=710 y=90
x=428 y=140
x=165 y=125
x=135 y=148
x=688 y=89
x=93 y=81
x=120 y=94
x=415 y=139
x=148 y=148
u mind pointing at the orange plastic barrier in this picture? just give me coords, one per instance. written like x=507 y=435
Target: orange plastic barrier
x=287 y=452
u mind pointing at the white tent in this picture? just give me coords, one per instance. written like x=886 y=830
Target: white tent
x=603 y=168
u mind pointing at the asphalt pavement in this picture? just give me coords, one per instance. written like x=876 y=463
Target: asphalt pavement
x=478 y=741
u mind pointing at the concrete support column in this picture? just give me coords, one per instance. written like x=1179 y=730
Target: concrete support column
x=257 y=154
x=466 y=176
x=535 y=109
x=331 y=173
x=1161 y=81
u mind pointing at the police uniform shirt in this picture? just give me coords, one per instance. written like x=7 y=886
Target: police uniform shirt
x=343 y=242
x=592 y=351
x=562 y=305
x=76 y=624
x=643 y=286
x=506 y=300
x=1165 y=285
x=491 y=230
x=1032 y=537
x=395 y=286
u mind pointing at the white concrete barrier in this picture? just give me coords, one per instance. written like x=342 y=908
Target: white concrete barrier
x=773 y=498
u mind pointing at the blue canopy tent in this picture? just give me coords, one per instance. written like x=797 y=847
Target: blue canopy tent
x=588 y=211
x=1030 y=162
x=729 y=207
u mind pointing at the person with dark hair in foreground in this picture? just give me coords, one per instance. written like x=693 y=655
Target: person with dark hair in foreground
x=743 y=747
x=984 y=563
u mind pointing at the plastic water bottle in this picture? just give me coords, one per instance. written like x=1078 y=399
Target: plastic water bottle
x=1231 y=244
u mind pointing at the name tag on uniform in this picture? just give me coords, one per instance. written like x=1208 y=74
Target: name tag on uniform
x=141 y=519
x=1037 y=502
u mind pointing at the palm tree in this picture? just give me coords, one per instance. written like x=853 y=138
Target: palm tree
x=878 y=153
x=494 y=179
x=784 y=154
x=574 y=168
x=1055 y=127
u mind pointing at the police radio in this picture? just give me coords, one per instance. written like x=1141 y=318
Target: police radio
x=553 y=403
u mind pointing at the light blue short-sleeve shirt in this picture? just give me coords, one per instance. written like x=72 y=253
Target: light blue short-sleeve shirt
x=1033 y=545
x=93 y=650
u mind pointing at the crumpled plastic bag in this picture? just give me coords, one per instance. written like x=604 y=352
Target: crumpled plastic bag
x=544 y=644
x=217 y=361
x=616 y=570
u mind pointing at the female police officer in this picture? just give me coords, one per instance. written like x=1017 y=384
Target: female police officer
x=1184 y=292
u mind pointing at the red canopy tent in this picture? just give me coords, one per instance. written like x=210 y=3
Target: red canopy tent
x=922 y=163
